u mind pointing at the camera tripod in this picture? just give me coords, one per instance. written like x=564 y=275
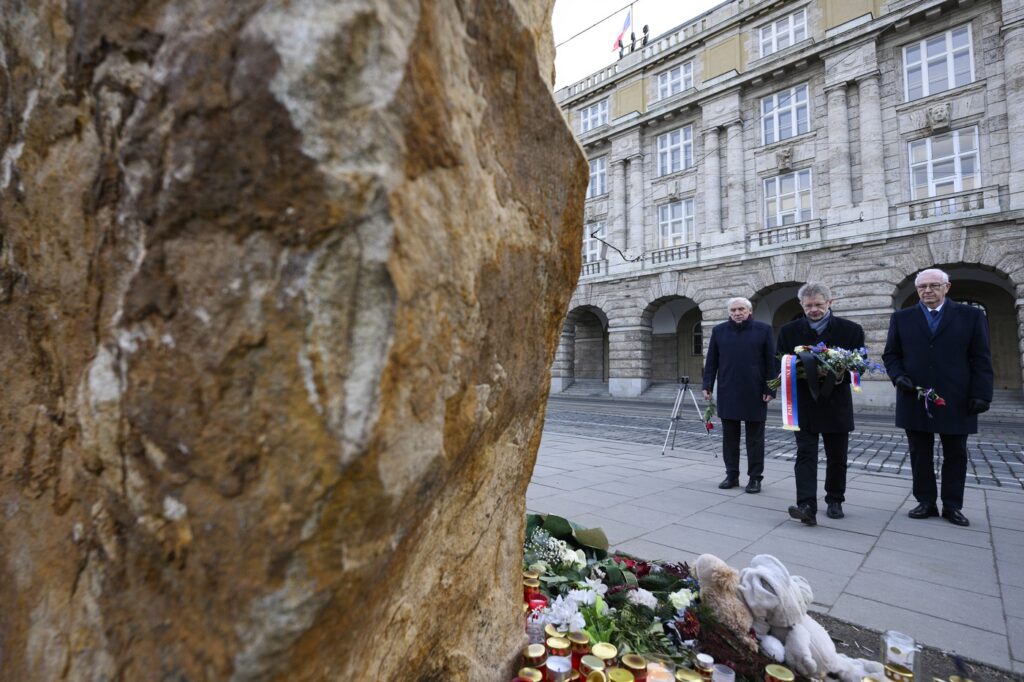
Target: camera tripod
x=673 y=426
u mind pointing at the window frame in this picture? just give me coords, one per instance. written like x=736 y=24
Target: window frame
x=686 y=221
x=957 y=158
x=685 y=80
x=601 y=116
x=594 y=250
x=797 y=193
x=790 y=31
x=949 y=55
x=685 y=148
x=601 y=173
x=793 y=108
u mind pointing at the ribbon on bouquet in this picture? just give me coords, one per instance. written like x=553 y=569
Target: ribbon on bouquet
x=855 y=381
x=787 y=394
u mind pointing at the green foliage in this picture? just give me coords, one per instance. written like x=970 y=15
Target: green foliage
x=600 y=626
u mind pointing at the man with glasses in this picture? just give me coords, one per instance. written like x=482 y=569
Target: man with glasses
x=825 y=410
x=942 y=345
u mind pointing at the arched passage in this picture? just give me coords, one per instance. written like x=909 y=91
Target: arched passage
x=993 y=293
x=582 y=354
x=776 y=305
x=676 y=340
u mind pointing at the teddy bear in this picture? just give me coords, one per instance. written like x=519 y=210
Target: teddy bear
x=778 y=603
x=719 y=591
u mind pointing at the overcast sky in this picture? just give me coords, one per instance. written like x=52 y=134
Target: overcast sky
x=587 y=53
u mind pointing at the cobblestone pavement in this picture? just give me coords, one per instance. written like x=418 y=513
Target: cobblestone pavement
x=996 y=452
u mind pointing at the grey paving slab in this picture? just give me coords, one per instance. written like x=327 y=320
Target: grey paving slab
x=808 y=552
x=923 y=546
x=592 y=497
x=1009 y=521
x=696 y=541
x=648 y=519
x=939 y=529
x=828 y=536
x=1008 y=536
x=560 y=506
x=1013 y=601
x=681 y=502
x=977 y=610
x=646 y=549
x=1010 y=564
x=536 y=491
x=748 y=529
x=566 y=482
x=947 y=569
x=616 y=531
x=979 y=644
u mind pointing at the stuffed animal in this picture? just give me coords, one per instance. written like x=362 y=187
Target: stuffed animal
x=778 y=602
x=719 y=591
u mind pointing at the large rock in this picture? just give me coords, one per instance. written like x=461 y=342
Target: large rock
x=280 y=284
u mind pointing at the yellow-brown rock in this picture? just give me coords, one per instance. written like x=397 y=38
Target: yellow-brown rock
x=280 y=283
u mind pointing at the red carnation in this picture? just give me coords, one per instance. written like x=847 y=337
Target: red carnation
x=940 y=402
x=710 y=426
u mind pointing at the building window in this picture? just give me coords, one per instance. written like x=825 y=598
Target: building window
x=944 y=164
x=787 y=198
x=598 y=177
x=781 y=33
x=593 y=116
x=785 y=114
x=675 y=150
x=675 y=80
x=697 y=347
x=675 y=223
x=938 y=63
x=593 y=244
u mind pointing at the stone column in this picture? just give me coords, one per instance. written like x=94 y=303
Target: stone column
x=736 y=170
x=565 y=358
x=616 y=227
x=712 y=185
x=838 y=147
x=1013 y=67
x=635 y=207
x=872 y=164
x=629 y=360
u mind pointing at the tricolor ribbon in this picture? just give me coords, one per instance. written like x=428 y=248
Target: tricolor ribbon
x=787 y=393
x=855 y=381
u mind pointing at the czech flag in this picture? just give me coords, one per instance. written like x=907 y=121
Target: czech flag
x=625 y=27
x=787 y=392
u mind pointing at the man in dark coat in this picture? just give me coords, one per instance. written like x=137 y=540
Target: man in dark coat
x=741 y=357
x=942 y=345
x=824 y=410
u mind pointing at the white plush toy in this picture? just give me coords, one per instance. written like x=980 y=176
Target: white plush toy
x=779 y=604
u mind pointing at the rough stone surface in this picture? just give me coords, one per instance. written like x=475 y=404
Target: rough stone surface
x=280 y=286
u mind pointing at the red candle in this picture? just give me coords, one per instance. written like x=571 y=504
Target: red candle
x=537 y=602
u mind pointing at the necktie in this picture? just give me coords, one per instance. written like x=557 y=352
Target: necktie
x=933 y=319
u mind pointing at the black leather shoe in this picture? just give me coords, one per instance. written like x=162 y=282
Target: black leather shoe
x=804 y=514
x=753 y=486
x=923 y=511
x=835 y=510
x=955 y=517
x=729 y=482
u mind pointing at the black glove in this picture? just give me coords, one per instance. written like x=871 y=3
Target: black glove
x=977 y=406
x=904 y=383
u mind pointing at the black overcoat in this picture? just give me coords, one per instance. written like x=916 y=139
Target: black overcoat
x=832 y=413
x=742 y=358
x=956 y=362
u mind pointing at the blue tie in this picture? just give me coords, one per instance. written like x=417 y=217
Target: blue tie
x=933 y=320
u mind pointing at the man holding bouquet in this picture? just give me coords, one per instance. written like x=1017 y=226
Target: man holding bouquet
x=824 y=404
x=939 y=348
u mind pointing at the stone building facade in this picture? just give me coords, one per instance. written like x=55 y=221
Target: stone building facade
x=765 y=144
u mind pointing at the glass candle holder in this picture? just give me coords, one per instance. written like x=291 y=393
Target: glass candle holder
x=660 y=668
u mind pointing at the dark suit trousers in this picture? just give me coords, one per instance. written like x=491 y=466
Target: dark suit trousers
x=954 y=467
x=731 y=448
x=806 y=467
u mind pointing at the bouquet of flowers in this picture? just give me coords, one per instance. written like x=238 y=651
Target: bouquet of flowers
x=835 y=361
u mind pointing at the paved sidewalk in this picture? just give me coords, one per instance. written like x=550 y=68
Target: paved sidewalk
x=952 y=588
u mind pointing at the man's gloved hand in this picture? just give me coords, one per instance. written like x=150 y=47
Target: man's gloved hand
x=977 y=406
x=905 y=384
